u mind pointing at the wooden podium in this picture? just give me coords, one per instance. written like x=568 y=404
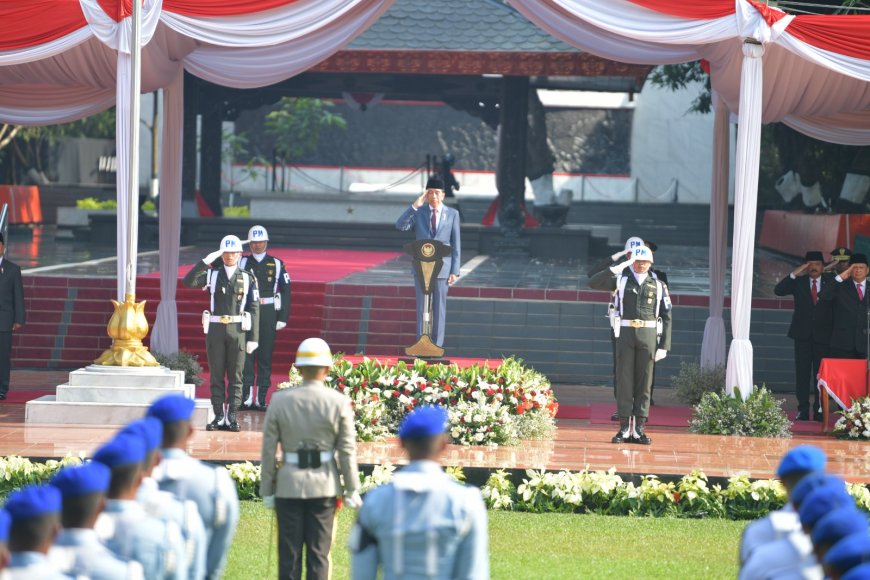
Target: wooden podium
x=428 y=258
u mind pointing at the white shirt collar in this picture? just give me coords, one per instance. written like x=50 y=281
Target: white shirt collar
x=438 y=210
x=230 y=270
x=640 y=278
x=259 y=257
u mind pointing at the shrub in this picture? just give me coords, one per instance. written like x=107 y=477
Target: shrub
x=693 y=382
x=182 y=361
x=94 y=203
x=761 y=415
x=237 y=211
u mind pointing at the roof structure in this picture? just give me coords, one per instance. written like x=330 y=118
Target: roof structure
x=474 y=37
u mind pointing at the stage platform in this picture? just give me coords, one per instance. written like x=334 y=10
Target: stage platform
x=579 y=443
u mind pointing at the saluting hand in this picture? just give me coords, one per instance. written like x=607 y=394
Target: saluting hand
x=418 y=203
x=847 y=273
x=800 y=269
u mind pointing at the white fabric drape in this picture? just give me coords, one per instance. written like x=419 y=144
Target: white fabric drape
x=47 y=50
x=164 y=335
x=739 y=372
x=713 y=344
x=48 y=105
x=122 y=175
x=119 y=35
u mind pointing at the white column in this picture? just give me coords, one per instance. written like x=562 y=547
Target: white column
x=713 y=345
x=739 y=371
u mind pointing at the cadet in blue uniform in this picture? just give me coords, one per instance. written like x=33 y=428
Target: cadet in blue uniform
x=273 y=282
x=210 y=488
x=124 y=526
x=165 y=506
x=424 y=524
x=846 y=555
x=835 y=526
x=5 y=522
x=231 y=324
x=35 y=515
x=77 y=551
x=794 y=466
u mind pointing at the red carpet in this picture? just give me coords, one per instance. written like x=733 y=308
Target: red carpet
x=20 y=397
x=573 y=412
x=317 y=265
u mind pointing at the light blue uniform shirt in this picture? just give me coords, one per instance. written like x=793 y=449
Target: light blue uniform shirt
x=215 y=496
x=166 y=507
x=132 y=534
x=789 y=557
x=30 y=566
x=775 y=526
x=79 y=553
x=424 y=524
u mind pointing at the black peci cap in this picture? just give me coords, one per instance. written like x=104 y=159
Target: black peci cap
x=858 y=259
x=434 y=183
x=814 y=256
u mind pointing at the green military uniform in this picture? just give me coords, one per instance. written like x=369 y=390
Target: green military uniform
x=638 y=341
x=225 y=341
x=273 y=281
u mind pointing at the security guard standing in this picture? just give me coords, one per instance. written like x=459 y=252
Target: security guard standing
x=231 y=325
x=314 y=426
x=210 y=488
x=423 y=524
x=642 y=322
x=273 y=282
x=77 y=550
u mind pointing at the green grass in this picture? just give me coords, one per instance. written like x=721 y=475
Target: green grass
x=537 y=546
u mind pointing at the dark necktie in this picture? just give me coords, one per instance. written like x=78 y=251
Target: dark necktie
x=433 y=222
x=860 y=292
x=815 y=293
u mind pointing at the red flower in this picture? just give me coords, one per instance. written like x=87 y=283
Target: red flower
x=677 y=497
x=448 y=388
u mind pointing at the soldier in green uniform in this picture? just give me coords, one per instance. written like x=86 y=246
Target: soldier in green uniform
x=642 y=325
x=231 y=326
x=273 y=282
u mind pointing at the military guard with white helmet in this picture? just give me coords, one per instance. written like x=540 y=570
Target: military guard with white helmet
x=314 y=426
x=273 y=282
x=231 y=325
x=641 y=322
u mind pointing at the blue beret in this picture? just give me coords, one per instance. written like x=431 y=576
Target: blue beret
x=150 y=429
x=849 y=552
x=32 y=501
x=5 y=523
x=422 y=422
x=823 y=500
x=801 y=458
x=861 y=572
x=172 y=408
x=93 y=477
x=809 y=483
x=124 y=449
x=838 y=524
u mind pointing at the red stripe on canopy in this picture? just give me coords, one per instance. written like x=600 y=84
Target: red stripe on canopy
x=205 y=8
x=117 y=10
x=770 y=15
x=26 y=23
x=708 y=10
x=846 y=34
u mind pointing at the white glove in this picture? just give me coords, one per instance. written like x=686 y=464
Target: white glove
x=617 y=269
x=280 y=325
x=618 y=255
x=269 y=502
x=251 y=347
x=212 y=257
x=353 y=501
x=660 y=354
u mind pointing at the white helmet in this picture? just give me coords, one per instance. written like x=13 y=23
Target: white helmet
x=313 y=352
x=258 y=234
x=643 y=254
x=231 y=244
x=633 y=242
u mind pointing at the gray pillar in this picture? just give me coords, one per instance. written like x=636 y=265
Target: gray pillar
x=511 y=164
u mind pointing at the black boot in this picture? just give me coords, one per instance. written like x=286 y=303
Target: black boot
x=624 y=433
x=639 y=436
x=232 y=423
x=216 y=424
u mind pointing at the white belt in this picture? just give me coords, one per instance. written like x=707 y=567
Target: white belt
x=267 y=300
x=225 y=319
x=293 y=458
x=638 y=323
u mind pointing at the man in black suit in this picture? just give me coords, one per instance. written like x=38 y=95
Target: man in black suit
x=11 y=314
x=848 y=295
x=811 y=325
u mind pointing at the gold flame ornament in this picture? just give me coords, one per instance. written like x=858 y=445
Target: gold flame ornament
x=127 y=327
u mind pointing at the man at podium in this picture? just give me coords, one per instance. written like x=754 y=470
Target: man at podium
x=432 y=220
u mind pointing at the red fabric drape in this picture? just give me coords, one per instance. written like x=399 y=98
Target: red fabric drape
x=707 y=10
x=846 y=34
x=770 y=15
x=26 y=23
x=199 y=8
x=117 y=10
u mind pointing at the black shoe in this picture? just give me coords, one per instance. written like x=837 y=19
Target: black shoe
x=817 y=416
x=641 y=438
x=233 y=424
x=216 y=424
x=614 y=417
x=652 y=402
x=621 y=436
x=2 y=396
x=802 y=416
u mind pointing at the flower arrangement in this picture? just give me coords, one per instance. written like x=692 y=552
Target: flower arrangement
x=485 y=406
x=855 y=421
x=16 y=472
x=247 y=477
x=760 y=415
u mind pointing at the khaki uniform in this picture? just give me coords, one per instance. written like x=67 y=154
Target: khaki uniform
x=314 y=417
x=225 y=343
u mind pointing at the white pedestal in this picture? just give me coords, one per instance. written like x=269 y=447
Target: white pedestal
x=112 y=396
